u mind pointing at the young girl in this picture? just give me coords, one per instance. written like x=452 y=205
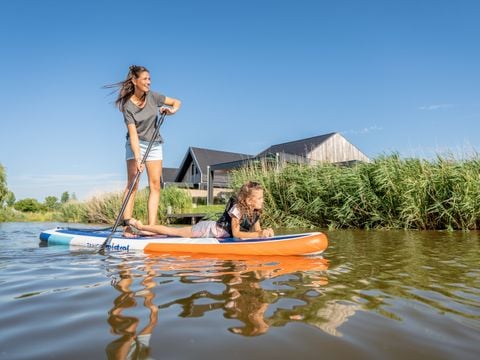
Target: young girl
x=240 y=219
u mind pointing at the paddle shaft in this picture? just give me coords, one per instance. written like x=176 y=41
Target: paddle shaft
x=133 y=183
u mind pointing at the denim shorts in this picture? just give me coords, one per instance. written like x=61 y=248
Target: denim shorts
x=156 y=152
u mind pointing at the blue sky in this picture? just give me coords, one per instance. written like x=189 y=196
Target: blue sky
x=389 y=75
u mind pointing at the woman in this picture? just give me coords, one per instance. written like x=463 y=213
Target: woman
x=140 y=108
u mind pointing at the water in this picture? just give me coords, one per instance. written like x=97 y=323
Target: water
x=382 y=295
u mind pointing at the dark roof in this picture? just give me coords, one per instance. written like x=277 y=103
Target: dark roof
x=205 y=157
x=297 y=147
x=169 y=174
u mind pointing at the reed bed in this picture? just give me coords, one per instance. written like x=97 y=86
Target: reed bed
x=388 y=193
x=104 y=209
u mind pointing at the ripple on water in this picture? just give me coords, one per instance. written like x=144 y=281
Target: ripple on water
x=373 y=295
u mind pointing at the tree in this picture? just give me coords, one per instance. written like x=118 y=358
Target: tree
x=51 y=203
x=28 y=205
x=65 y=197
x=3 y=184
x=10 y=198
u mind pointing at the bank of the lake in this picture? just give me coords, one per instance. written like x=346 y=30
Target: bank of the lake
x=387 y=193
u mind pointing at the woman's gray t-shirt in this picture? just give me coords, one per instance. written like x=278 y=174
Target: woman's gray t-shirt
x=144 y=118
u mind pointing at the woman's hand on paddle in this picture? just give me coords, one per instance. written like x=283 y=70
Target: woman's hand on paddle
x=140 y=166
x=172 y=106
x=168 y=110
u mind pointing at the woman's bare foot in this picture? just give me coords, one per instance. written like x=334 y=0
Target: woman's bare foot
x=128 y=232
x=137 y=224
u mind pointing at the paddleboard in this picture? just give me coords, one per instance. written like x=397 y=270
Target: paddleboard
x=291 y=244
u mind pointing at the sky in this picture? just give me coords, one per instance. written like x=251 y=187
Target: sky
x=389 y=75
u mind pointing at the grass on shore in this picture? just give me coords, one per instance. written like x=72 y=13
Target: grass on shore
x=105 y=209
x=388 y=193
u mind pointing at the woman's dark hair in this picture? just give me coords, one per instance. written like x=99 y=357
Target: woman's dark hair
x=126 y=87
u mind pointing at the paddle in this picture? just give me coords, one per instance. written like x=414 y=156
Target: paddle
x=107 y=241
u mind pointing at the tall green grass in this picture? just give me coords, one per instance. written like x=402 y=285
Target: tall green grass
x=105 y=209
x=388 y=193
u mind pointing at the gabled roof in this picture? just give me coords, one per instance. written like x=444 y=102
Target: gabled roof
x=169 y=174
x=205 y=157
x=297 y=147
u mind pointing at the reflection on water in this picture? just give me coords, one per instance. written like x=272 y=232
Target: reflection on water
x=133 y=342
x=382 y=272
x=374 y=294
x=436 y=269
x=243 y=299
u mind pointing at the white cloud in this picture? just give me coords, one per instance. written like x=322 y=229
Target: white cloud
x=365 y=130
x=436 y=107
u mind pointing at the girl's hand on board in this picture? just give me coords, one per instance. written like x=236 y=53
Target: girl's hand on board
x=266 y=232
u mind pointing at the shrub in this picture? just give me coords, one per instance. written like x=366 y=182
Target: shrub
x=28 y=205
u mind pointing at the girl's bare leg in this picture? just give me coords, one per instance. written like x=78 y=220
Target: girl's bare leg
x=185 y=231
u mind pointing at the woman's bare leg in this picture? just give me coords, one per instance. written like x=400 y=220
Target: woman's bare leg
x=154 y=171
x=131 y=172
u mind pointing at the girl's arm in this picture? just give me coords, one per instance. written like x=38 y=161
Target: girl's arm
x=257 y=233
x=173 y=106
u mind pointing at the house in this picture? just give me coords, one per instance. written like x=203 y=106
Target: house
x=329 y=148
x=168 y=176
x=194 y=168
x=205 y=169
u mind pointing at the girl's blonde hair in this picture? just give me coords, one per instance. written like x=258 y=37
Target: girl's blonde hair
x=244 y=193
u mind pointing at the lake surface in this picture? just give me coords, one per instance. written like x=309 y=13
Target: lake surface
x=373 y=295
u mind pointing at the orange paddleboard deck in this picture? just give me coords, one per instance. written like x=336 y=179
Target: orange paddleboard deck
x=291 y=244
